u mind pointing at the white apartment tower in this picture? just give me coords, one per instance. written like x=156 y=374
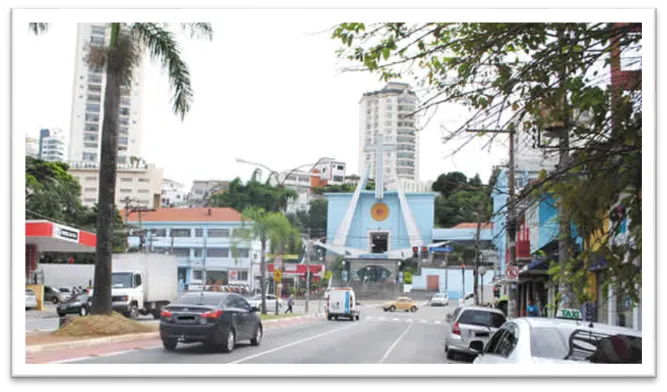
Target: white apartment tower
x=88 y=104
x=388 y=112
x=52 y=145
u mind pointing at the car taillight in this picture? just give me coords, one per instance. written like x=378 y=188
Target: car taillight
x=165 y=313
x=212 y=314
x=456 y=330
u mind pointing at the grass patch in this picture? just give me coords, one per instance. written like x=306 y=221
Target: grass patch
x=280 y=316
x=100 y=326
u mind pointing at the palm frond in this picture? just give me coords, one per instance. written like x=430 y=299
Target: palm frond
x=120 y=59
x=199 y=30
x=164 y=48
x=38 y=28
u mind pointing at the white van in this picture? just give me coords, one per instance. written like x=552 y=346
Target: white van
x=342 y=302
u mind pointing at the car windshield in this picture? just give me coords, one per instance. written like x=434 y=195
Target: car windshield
x=584 y=345
x=78 y=298
x=29 y=292
x=121 y=280
x=482 y=318
x=63 y=290
x=439 y=296
x=198 y=299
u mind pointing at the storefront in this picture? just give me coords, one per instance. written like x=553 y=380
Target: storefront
x=294 y=277
x=46 y=236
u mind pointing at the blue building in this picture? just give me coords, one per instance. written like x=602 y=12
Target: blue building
x=204 y=241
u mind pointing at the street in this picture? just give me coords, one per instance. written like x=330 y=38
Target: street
x=379 y=337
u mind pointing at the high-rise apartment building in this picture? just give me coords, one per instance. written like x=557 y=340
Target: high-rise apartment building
x=52 y=145
x=88 y=103
x=31 y=147
x=389 y=112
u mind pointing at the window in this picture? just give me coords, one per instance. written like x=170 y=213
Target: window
x=123 y=130
x=125 y=102
x=243 y=253
x=199 y=252
x=90 y=200
x=121 y=160
x=180 y=232
x=125 y=179
x=95 y=78
x=137 y=280
x=90 y=145
x=242 y=275
x=199 y=232
x=91 y=178
x=243 y=233
x=92 y=117
x=90 y=137
x=144 y=180
x=122 y=148
x=91 y=127
x=482 y=318
x=548 y=343
x=217 y=252
x=98 y=30
x=124 y=120
x=158 y=232
x=124 y=111
x=340 y=167
x=212 y=299
x=508 y=341
x=125 y=190
x=197 y=275
x=90 y=189
x=89 y=157
x=492 y=344
x=94 y=88
x=143 y=191
x=181 y=252
x=93 y=98
x=220 y=233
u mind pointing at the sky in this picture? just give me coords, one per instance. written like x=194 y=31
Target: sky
x=273 y=93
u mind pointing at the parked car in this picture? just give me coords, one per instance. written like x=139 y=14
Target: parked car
x=469 y=323
x=402 y=303
x=216 y=319
x=30 y=299
x=439 y=299
x=54 y=295
x=256 y=301
x=78 y=304
x=537 y=340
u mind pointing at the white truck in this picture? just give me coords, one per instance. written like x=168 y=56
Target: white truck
x=485 y=296
x=142 y=283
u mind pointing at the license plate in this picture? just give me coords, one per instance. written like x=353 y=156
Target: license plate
x=482 y=334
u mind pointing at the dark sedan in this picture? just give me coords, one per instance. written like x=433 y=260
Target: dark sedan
x=217 y=319
x=78 y=304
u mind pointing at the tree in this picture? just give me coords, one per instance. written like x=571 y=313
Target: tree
x=240 y=196
x=119 y=239
x=533 y=77
x=127 y=43
x=460 y=199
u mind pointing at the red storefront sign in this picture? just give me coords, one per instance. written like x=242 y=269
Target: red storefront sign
x=299 y=269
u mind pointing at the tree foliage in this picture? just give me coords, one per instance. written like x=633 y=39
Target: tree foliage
x=241 y=196
x=532 y=77
x=460 y=199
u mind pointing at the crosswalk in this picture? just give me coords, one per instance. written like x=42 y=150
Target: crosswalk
x=403 y=320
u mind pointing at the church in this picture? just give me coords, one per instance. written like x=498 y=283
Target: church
x=377 y=230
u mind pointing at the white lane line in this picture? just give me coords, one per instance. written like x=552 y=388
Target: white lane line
x=438 y=322
x=423 y=321
x=293 y=343
x=395 y=343
x=395 y=319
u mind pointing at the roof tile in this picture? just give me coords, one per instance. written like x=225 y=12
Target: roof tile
x=187 y=215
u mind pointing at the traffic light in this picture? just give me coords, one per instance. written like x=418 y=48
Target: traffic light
x=424 y=252
x=415 y=252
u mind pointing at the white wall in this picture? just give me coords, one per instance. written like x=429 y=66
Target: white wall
x=68 y=274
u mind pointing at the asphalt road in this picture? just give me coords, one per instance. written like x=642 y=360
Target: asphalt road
x=379 y=337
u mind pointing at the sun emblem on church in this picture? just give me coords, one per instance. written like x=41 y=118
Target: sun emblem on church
x=379 y=211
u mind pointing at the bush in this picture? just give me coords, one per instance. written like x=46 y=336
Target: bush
x=407 y=277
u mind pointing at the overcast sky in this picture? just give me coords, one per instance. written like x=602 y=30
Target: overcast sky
x=272 y=93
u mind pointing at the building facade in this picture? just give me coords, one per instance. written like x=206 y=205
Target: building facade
x=88 y=102
x=389 y=112
x=31 y=147
x=141 y=184
x=173 y=193
x=52 y=145
x=202 y=189
x=205 y=241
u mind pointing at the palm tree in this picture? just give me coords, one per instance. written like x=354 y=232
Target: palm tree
x=120 y=58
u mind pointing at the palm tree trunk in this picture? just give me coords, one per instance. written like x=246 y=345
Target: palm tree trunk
x=106 y=205
x=262 y=269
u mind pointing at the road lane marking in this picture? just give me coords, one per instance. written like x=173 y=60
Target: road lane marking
x=395 y=343
x=292 y=344
x=395 y=319
x=438 y=322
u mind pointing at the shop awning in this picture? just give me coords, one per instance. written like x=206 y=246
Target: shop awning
x=299 y=269
x=53 y=237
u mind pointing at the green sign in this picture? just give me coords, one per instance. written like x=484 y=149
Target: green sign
x=572 y=314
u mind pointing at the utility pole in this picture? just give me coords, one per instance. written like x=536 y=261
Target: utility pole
x=446 y=275
x=477 y=245
x=511 y=214
x=307 y=270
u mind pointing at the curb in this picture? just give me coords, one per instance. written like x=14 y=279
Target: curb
x=89 y=342
x=35 y=349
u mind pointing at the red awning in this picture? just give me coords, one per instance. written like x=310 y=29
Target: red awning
x=299 y=269
x=53 y=237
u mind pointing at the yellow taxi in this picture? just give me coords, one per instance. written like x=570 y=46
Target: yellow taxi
x=401 y=303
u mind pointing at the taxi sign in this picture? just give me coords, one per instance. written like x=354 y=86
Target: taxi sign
x=277 y=276
x=570 y=314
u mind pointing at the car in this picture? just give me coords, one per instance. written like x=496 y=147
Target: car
x=256 y=301
x=402 y=303
x=469 y=323
x=467 y=300
x=537 y=340
x=77 y=304
x=439 y=299
x=55 y=295
x=342 y=302
x=215 y=319
x=30 y=299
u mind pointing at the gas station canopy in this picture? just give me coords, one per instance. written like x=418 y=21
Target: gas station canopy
x=53 y=237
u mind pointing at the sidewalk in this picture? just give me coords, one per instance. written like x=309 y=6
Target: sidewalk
x=72 y=349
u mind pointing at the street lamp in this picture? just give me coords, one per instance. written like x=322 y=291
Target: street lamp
x=482 y=271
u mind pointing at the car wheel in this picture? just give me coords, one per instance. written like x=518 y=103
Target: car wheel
x=83 y=311
x=328 y=317
x=54 y=300
x=413 y=309
x=392 y=308
x=450 y=355
x=61 y=315
x=230 y=341
x=358 y=317
x=257 y=337
x=170 y=344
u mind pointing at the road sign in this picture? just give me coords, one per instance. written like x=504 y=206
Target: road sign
x=277 y=276
x=512 y=272
x=278 y=263
x=443 y=249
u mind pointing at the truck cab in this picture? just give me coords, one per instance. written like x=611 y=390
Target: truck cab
x=127 y=293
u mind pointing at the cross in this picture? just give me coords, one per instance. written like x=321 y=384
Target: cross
x=380 y=148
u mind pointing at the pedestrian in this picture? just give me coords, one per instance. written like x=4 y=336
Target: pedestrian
x=531 y=309
x=290 y=303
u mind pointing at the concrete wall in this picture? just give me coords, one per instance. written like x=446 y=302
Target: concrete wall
x=68 y=274
x=454 y=280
